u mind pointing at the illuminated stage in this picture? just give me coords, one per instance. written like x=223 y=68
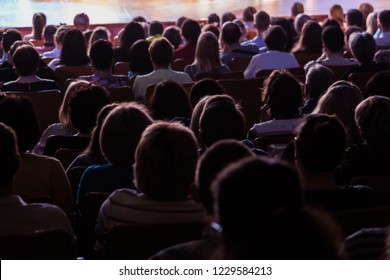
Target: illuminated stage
x=19 y=12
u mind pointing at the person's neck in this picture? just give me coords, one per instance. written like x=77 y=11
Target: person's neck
x=28 y=79
x=330 y=55
x=160 y=67
x=229 y=48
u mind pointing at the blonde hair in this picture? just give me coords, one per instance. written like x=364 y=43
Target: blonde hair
x=336 y=12
x=207 y=53
x=372 y=23
x=100 y=32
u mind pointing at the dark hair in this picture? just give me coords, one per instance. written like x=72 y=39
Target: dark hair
x=85 y=106
x=212 y=162
x=81 y=20
x=139 y=19
x=155 y=28
x=9 y=156
x=248 y=14
x=320 y=143
x=191 y=31
x=230 y=33
x=132 y=32
x=288 y=28
x=214 y=19
x=10 y=36
x=39 y=22
x=331 y=22
x=318 y=79
x=102 y=55
x=363 y=47
x=310 y=40
x=74 y=49
x=203 y=88
x=262 y=20
x=180 y=21
x=355 y=17
x=283 y=95
x=161 y=52
x=26 y=60
x=169 y=101
x=212 y=28
x=172 y=33
x=297 y=8
x=60 y=33
x=19 y=114
x=379 y=84
x=228 y=16
x=384 y=19
x=139 y=58
x=48 y=33
x=333 y=39
x=276 y=38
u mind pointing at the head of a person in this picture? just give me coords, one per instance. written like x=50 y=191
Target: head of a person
x=180 y=21
x=227 y=16
x=299 y=21
x=139 y=58
x=48 y=33
x=248 y=14
x=282 y=93
x=169 y=152
x=172 y=33
x=84 y=107
x=214 y=19
x=26 y=60
x=74 y=49
x=318 y=79
x=355 y=17
x=372 y=23
x=330 y=22
x=202 y=88
x=81 y=22
x=245 y=220
x=333 y=39
x=262 y=21
x=363 y=47
x=207 y=52
x=102 y=55
x=16 y=45
x=379 y=84
x=288 y=28
x=170 y=100
x=18 y=113
x=212 y=162
x=195 y=119
x=230 y=33
x=296 y=9
x=221 y=118
x=132 y=32
x=341 y=100
x=190 y=31
x=10 y=36
x=9 y=159
x=121 y=133
x=373 y=120
x=275 y=38
x=310 y=40
x=319 y=145
x=59 y=36
x=156 y=28
x=336 y=12
x=161 y=52
x=242 y=27
x=99 y=33
x=366 y=9
x=139 y=19
x=38 y=24
x=384 y=20
x=350 y=30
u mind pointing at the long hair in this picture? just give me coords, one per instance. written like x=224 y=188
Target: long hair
x=207 y=53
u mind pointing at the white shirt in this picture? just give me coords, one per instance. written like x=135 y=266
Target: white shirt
x=383 y=39
x=270 y=60
x=275 y=127
x=52 y=54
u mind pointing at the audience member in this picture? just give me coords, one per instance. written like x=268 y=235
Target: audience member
x=288 y=28
x=212 y=28
x=310 y=41
x=38 y=24
x=139 y=59
x=379 y=84
x=132 y=32
x=299 y=22
x=244 y=35
x=372 y=23
x=99 y=33
x=156 y=29
x=227 y=16
x=365 y=9
x=248 y=18
x=214 y=20
x=81 y=22
x=10 y=36
x=262 y=22
x=355 y=17
x=59 y=40
x=336 y=12
x=48 y=39
x=190 y=32
x=384 y=25
x=172 y=33
x=204 y=88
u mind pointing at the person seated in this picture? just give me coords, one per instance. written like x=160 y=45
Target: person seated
x=288 y=28
x=310 y=41
x=227 y=16
x=282 y=97
x=274 y=58
x=169 y=152
x=230 y=44
x=354 y=17
x=48 y=39
x=379 y=84
x=372 y=24
x=190 y=31
x=102 y=58
x=119 y=137
x=383 y=39
x=39 y=177
x=59 y=40
x=139 y=59
x=214 y=19
x=98 y=33
x=212 y=28
x=202 y=88
x=81 y=22
x=296 y=9
x=336 y=13
x=248 y=19
x=244 y=35
x=38 y=25
x=206 y=57
x=262 y=21
x=366 y=9
x=172 y=33
x=16 y=216
x=211 y=163
x=319 y=148
x=299 y=22
x=161 y=53
x=10 y=36
x=372 y=157
x=156 y=30
x=26 y=60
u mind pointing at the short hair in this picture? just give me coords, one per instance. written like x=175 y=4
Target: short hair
x=9 y=155
x=355 y=17
x=18 y=113
x=212 y=162
x=248 y=14
x=161 y=52
x=333 y=39
x=169 y=152
x=60 y=33
x=81 y=21
x=363 y=47
x=211 y=28
x=336 y=12
x=384 y=19
x=214 y=19
x=283 y=95
x=100 y=32
x=139 y=19
x=221 y=118
x=228 y=16
x=18 y=44
x=276 y=38
x=102 y=55
x=156 y=27
x=318 y=79
x=84 y=107
x=133 y=31
x=288 y=28
x=170 y=100
x=195 y=119
x=180 y=21
x=373 y=120
x=379 y=84
x=172 y=33
x=231 y=33
x=297 y=8
x=262 y=20
x=139 y=58
x=26 y=60
x=299 y=21
x=121 y=132
x=191 y=31
x=48 y=32
x=204 y=88
x=330 y=22
x=9 y=37
x=320 y=143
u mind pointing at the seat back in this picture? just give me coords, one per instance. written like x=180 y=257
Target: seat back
x=340 y=70
x=239 y=63
x=66 y=156
x=297 y=72
x=219 y=76
x=74 y=176
x=63 y=73
x=150 y=92
x=50 y=244
x=56 y=142
x=361 y=79
x=46 y=105
x=121 y=68
x=180 y=63
x=304 y=58
x=381 y=184
x=121 y=94
x=143 y=241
